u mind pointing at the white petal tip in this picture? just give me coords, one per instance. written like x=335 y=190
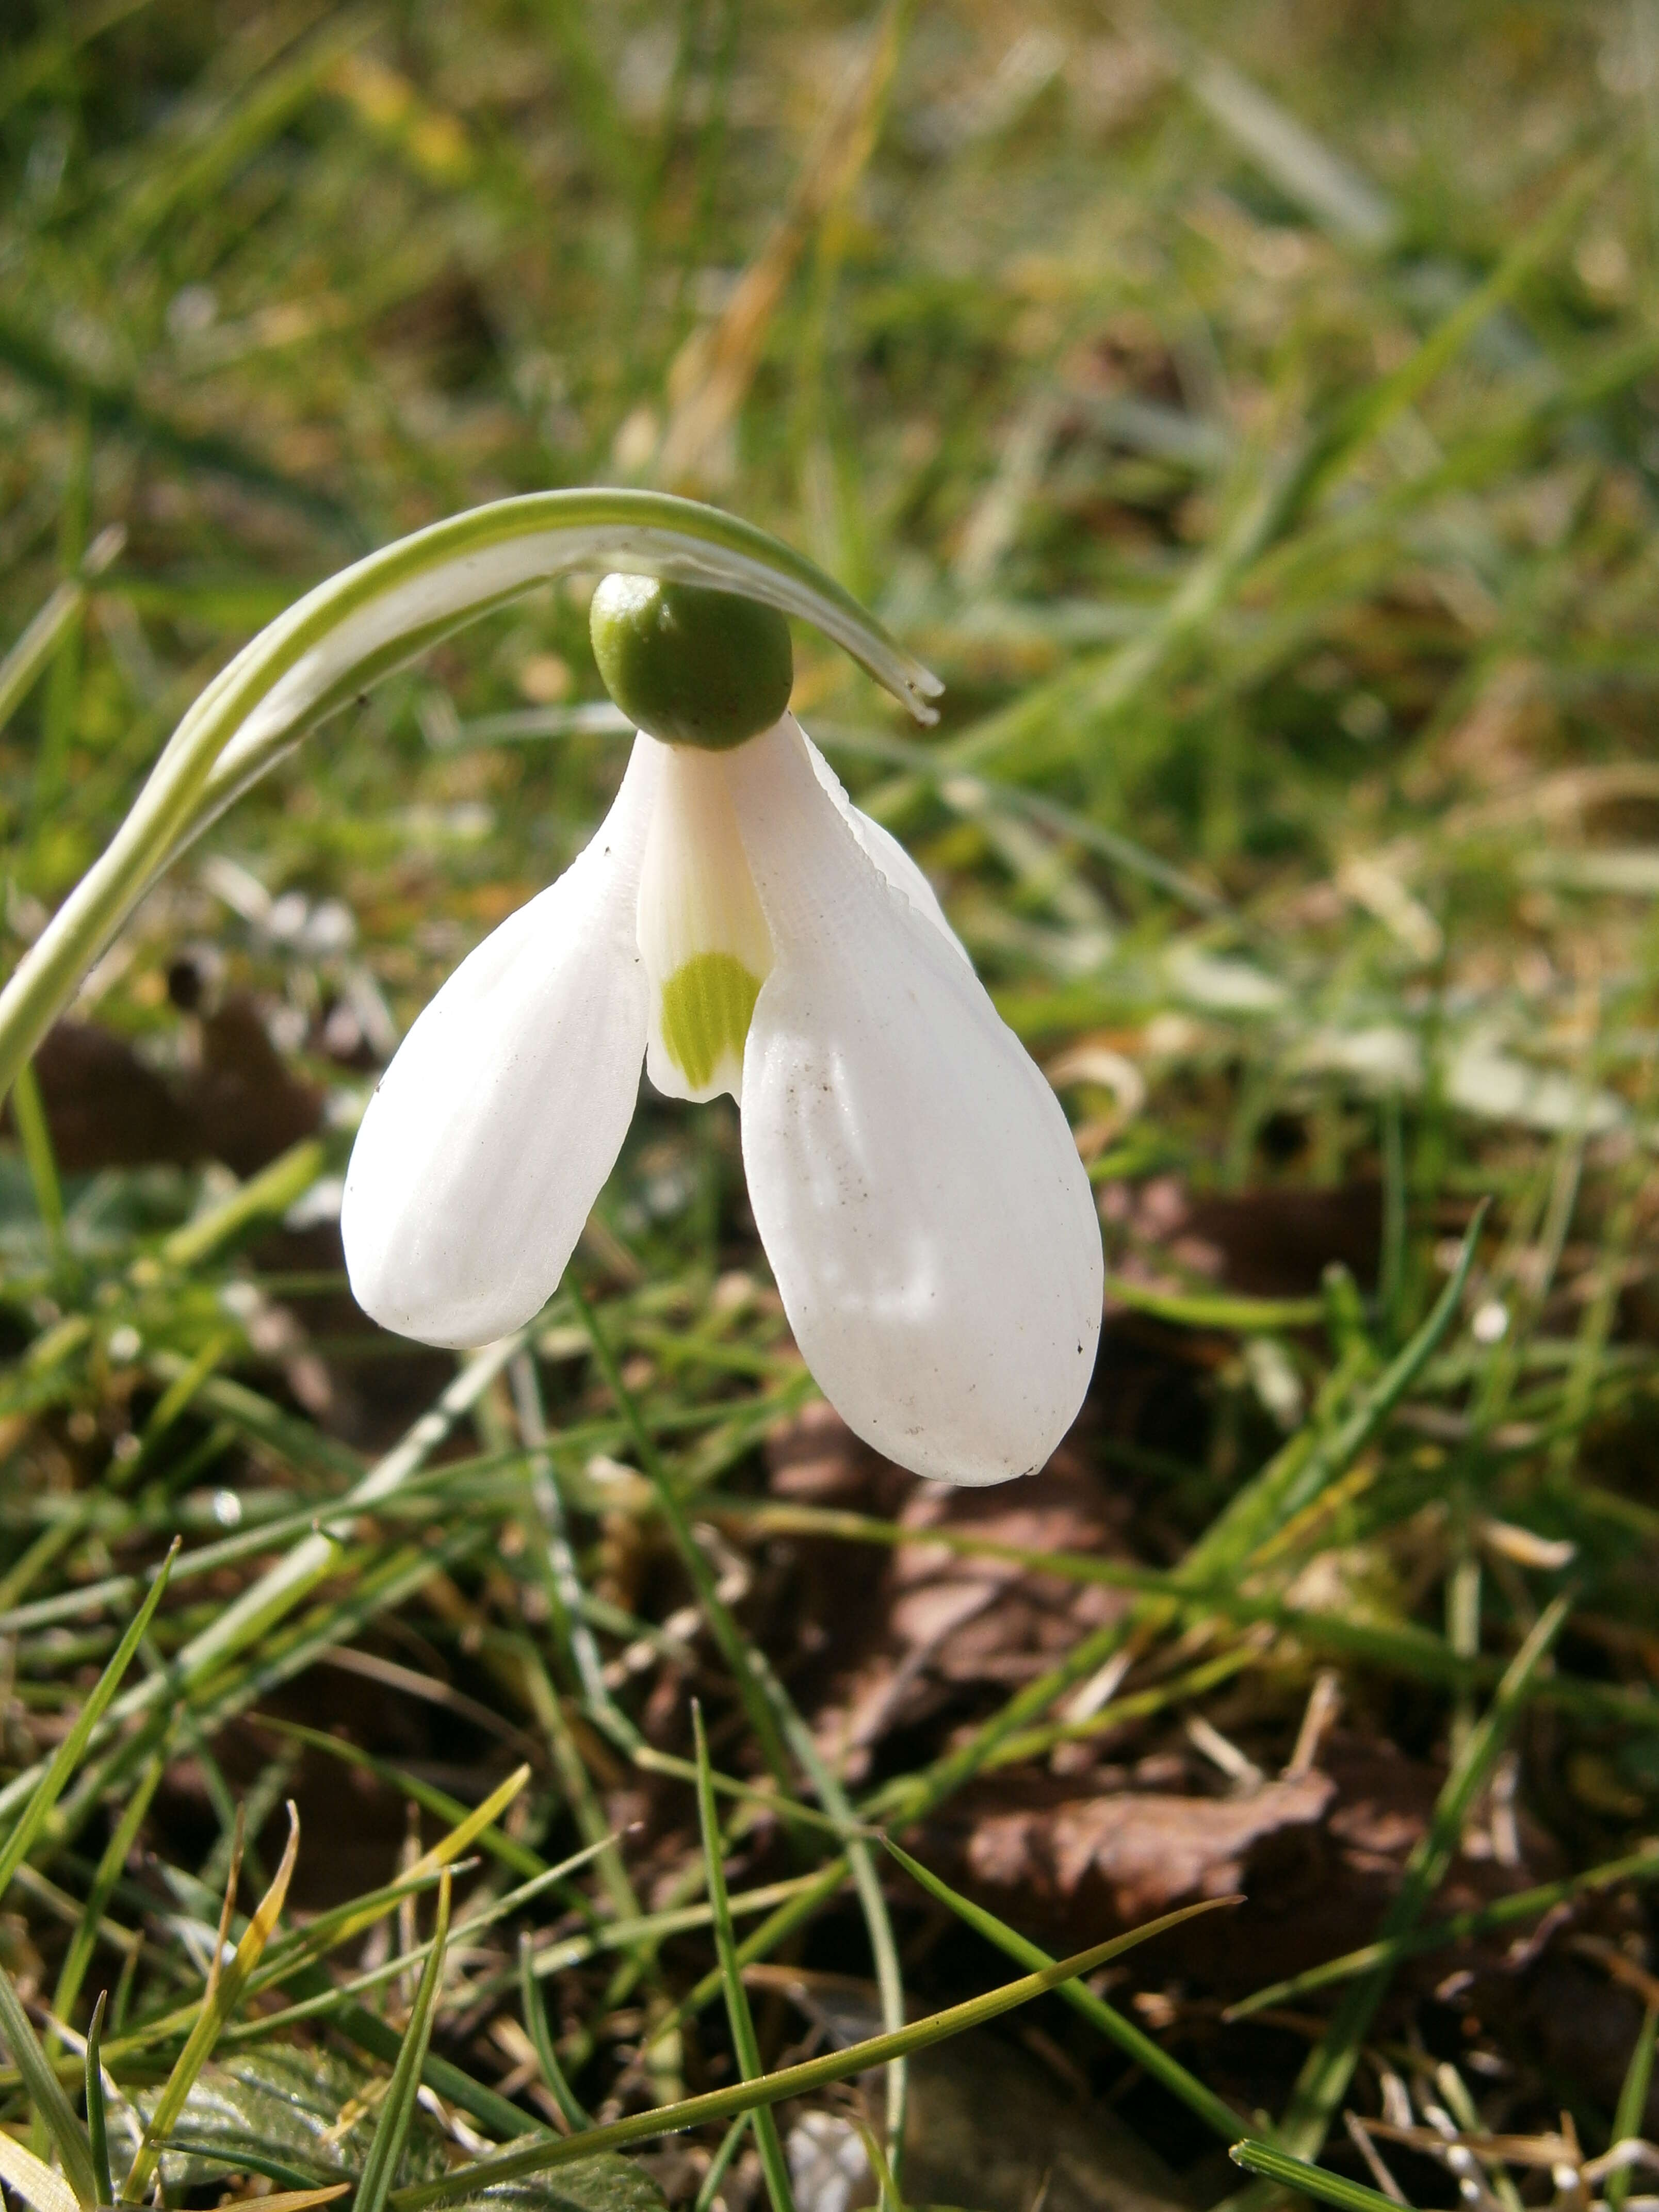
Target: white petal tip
x=1010 y=1441
x=397 y=1288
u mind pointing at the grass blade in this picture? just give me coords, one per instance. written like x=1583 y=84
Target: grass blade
x=1310 y=2180
x=300 y=2200
x=33 y=2179
x=1524 y=1904
x=460 y=1838
x=29 y=1115
x=241 y=2160
x=67 y=1756
x=1633 y=2104
x=46 y=2091
x=730 y=2144
x=224 y=1989
x=1290 y=1483
x=788 y=2080
x=97 y=2117
x=110 y=1868
x=284 y=1586
x=774 y=2165
x=1130 y=2039
x=541 y=2036
x=334 y=1929
x=1329 y=2066
x=272 y=1191
x=397 y=2109
x=35 y=649
x=721 y=1626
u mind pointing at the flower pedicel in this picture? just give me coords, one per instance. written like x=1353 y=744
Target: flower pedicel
x=740 y=925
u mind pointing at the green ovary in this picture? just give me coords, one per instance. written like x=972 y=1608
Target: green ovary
x=707 y=1007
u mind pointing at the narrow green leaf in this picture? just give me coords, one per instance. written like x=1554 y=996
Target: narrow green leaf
x=1362 y=419
x=398 y=2108
x=715 y=1611
x=855 y=1839
x=201 y=157
x=67 y=1756
x=1311 y=2180
x=46 y=2093
x=97 y=2117
x=1524 y=1904
x=789 y=2080
x=302 y=2200
x=37 y=646
x=241 y=2159
x=1215 y=1308
x=1407 y=1648
x=116 y=408
x=1136 y=2045
x=888 y=2196
x=251 y=1616
x=744 y=2041
x=1289 y=1484
x=483 y=1817
x=541 y=2036
x=224 y=1991
x=291 y=1959
x=730 y=2142
x=272 y=1191
x=324 y=1998
x=1329 y=2066
x=511 y=1853
x=28 y=1114
x=116 y=1773
x=1633 y=2104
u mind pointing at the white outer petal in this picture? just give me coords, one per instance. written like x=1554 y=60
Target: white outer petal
x=496 y=1126
x=891 y=860
x=916 y=1184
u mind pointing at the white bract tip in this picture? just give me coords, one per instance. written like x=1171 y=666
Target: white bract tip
x=738 y=924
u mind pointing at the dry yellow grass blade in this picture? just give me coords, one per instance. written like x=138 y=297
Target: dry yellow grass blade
x=218 y=2003
x=711 y=376
x=298 y=2200
x=449 y=1848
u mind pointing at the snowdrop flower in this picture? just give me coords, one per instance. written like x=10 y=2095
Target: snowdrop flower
x=740 y=925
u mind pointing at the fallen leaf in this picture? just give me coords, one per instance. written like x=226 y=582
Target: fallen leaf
x=1147 y=1850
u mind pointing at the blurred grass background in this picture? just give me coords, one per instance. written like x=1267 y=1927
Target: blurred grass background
x=1252 y=412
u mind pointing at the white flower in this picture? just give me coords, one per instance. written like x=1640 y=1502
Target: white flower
x=739 y=925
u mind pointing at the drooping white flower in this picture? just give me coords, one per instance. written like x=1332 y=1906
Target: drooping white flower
x=738 y=926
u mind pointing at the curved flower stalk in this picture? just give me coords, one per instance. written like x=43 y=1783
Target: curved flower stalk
x=374 y=617
x=738 y=926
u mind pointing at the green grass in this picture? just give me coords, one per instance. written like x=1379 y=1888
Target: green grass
x=1253 y=415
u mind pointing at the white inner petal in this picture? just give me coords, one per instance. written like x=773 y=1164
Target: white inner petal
x=702 y=936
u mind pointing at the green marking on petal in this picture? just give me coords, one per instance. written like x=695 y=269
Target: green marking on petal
x=707 y=1007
